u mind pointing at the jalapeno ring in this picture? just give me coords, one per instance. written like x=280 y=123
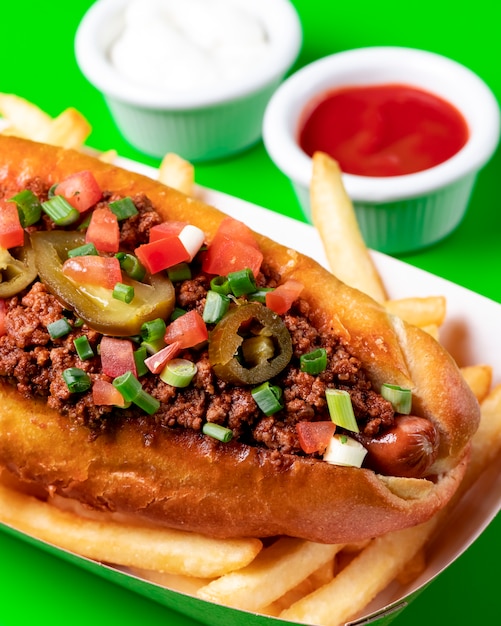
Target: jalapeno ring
x=17 y=270
x=225 y=342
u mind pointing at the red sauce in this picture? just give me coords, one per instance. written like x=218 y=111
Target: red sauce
x=383 y=130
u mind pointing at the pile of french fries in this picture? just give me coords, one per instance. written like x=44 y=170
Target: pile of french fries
x=297 y=580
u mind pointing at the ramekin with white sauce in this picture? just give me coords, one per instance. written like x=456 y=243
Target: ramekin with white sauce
x=191 y=77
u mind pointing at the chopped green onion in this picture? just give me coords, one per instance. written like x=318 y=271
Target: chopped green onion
x=179 y=272
x=268 y=398
x=88 y=249
x=153 y=330
x=242 y=282
x=139 y=357
x=135 y=338
x=78 y=323
x=177 y=312
x=178 y=372
x=220 y=284
x=123 y=208
x=60 y=211
x=400 y=398
x=131 y=265
x=123 y=292
x=128 y=385
x=85 y=223
x=216 y=306
x=147 y=402
x=83 y=347
x=314 y=362
x=153 y=346
x=76 y=379
x=221 y=433
x=341 y=409
x=59 y=328
x=260 y=295
x=28 y=207
x=132 y=391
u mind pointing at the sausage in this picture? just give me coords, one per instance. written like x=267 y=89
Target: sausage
x=407 y=449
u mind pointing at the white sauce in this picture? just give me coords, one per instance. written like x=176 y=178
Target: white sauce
x=178 y=45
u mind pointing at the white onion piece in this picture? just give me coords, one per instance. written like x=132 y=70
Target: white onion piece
x=192 y=239
x=343 y=450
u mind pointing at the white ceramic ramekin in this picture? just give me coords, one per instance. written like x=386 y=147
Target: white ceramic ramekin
x=401 y=213
x=198 y=124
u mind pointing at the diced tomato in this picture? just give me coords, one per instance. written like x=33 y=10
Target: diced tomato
x=315 y=436
x=166 y=229
x=280 y=299
x=103 y=230
x=3 y=314
x=81 y=190
x=233 y=248
x=235 y=229
x=162 y=254
x=117 y=356
x=104 y=393
x=11 y=231
x=156 y=362
x=188 y=330
x=230 y=255
x=93 y=270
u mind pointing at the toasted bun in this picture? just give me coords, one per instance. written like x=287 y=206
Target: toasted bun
x=188 y=481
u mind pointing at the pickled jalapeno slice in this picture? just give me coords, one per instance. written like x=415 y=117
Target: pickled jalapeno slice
x=17 y=270
x=243 y=323
x=94 y=304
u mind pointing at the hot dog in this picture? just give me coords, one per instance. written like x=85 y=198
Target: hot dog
x=150 y=455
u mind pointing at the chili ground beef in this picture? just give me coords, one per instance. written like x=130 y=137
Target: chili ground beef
x=34 y=362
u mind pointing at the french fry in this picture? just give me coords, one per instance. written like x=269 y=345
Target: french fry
x=108 y=157
x=334 y=217
x=176 y=172
x=479 y=379
x=176 y=582
x=486 y=443
x=359 y=583
x=354 y=548
x=276 y=570
x=420 y=312
x=413 y=568
x=433 y=330
x=12 y=131
x=70 y=129
x=163 y=550
x=321 y=576
x=23 y=117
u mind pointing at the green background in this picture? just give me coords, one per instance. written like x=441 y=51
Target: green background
x=37 y=62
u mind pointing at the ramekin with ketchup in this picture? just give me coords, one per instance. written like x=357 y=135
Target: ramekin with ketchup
x=410 y=130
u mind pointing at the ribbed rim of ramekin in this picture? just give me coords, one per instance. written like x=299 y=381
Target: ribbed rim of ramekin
x=103 y=22
x=388 y=64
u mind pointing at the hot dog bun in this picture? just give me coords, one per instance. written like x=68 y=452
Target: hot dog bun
x=188 y=481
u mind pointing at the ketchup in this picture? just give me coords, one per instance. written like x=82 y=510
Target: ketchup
x=383 y=130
